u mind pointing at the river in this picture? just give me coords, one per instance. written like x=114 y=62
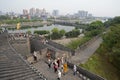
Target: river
x=48 y=28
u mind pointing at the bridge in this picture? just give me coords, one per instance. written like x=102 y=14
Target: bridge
x=14 y=67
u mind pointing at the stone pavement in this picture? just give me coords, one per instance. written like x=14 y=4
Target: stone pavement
x=83 y=55
x=51 y=75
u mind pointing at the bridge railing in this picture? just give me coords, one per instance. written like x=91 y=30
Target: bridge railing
x=84 y=74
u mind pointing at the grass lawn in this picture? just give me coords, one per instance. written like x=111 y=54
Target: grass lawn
x=99 y=65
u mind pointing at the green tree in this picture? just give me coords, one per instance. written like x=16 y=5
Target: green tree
x=111 y=42
x=28 y=32
x=73 y=33
x=116 y=20
x=4 y=17
x=94 y=29
x=41 y=32
x=55 y=33
x=62 y=32
x=55 y=30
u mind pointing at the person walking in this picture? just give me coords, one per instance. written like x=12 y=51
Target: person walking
x=35 y=56
x=49 y=63
x=58 y=62
x=55 y=66
x=74 y=69
x=65 y=68
x=59 y=75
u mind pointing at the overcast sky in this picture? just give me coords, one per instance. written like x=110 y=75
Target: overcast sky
x=108 y=8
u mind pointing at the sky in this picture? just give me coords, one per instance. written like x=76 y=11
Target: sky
x=100 y=8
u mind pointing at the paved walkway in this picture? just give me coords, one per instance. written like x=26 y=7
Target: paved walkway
x=83 y=55
x=80 y=57
x=51 y=75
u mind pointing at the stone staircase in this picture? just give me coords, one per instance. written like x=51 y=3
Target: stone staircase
x=12 y=67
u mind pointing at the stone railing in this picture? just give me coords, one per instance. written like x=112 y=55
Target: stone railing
x=61 y=47
x=85 y=45
x=84 y=74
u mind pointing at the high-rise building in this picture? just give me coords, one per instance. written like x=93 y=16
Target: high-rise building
x=25 y=12
x=32 y=12
x=82 y=14
x=90 y=15
x=43 y=14
x=37 y=12
x=55 y=13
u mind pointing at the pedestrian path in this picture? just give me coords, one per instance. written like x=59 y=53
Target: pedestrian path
x=83 y=55
x=51 y=75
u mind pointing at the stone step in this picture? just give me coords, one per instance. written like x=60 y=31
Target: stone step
x=12 y=63
x=16 y=76
x=29 y=77
x=16 y=73
x=13 y=70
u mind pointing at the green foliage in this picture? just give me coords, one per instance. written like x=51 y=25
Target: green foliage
x=73 y=33
x=2 y=17
x=62 y=32
x=25 y=27
x=6 y=19
x=28 y=32
x=81 y=26
x=108 y=23
x=14 y=21
x=11 y=28
x=41 y=32
x=98 y=64
x=76 y=43
x=116 y=20
x=94 y=29
x=113 y=21
x=55 y=33
x=111 y=42
x=55 y=30
x=109 y=52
